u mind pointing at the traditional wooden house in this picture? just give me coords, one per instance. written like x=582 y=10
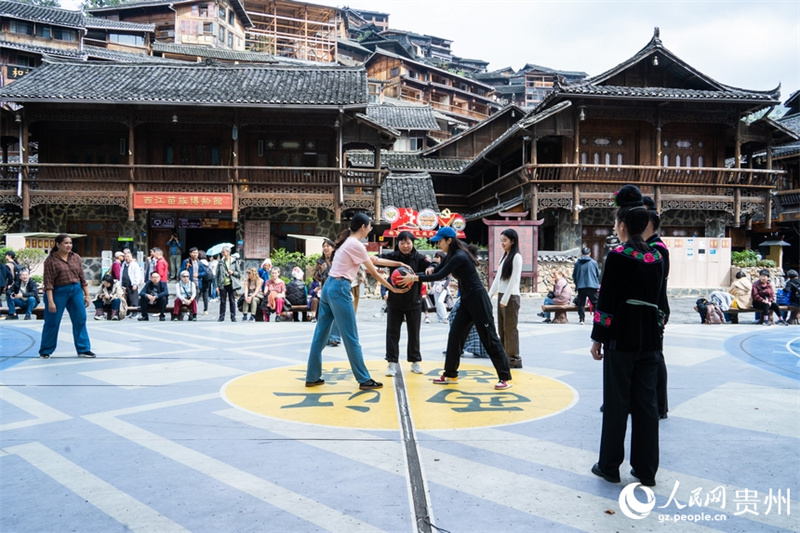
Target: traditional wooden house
x=528 y=86
x=653 y=120
x=459 y=96
x=238 y=153
x=415 y=123
x=218 y=23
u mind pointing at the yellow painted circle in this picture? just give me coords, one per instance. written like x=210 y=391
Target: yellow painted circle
x=473 y=402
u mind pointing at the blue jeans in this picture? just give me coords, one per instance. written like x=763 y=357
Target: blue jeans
x=69 y=297
x=548 y=301
x=336 y=302
x=13 y=303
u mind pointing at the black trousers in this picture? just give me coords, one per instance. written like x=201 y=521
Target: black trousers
x=394 y=323
x=766 y=309
x=582 y=295
x=629 y=386
x=475 y=309
x=131 y=297
x=226 y=293
x=661 y=386
x=160 y=304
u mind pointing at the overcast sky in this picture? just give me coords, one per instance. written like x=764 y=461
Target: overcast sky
x=751 y=44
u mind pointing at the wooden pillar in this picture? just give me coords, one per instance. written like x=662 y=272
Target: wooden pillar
x=768 y=206
x=577 y=139
x=378 y=182
x=23 y=159
x=657 y=197
x=338 y=195
x=576 y=201
x=738 y=146
x=535 y=201
x=737 y=207
x=131 y=162
x=236 y=186
x=533 y=176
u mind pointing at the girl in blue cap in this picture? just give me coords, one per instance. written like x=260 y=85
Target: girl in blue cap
x=475 y=309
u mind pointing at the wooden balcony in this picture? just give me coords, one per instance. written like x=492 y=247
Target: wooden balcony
x=115 y=184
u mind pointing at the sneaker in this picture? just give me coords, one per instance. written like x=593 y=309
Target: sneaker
x=29 y=317
x=333 y=343
x=12 y=317
x=416 y=368
x=315 y=383
x=444 y=380
x=546 y=321
x=233 y=319
x=251 y=319
x=162 y=318
x=205 y=313
x=174 y=318
x=371 y=384
x=143 y=317
x=87 y=353
x=44 y=355
x=427 y=320
x=581 y=323
x=540 y=314
x=503 y=385
x=391 y=370
x=221 y=319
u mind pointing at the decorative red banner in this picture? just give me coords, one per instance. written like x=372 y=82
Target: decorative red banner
x=417 y=233
x=183 y=201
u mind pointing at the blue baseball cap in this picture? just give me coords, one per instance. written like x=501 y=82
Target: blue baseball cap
x=444 y=233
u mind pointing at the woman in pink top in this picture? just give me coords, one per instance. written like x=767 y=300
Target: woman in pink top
x=336 y=302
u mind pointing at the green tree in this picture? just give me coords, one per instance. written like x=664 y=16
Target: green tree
x=31 y=258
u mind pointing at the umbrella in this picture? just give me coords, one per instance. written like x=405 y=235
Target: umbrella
x=217 y=248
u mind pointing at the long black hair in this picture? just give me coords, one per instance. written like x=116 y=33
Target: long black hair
x=359 y=219
x=456 y=245
x=508 y=257
x=655 y=218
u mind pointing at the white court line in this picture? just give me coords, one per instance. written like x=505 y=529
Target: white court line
x=579 y=461
x=128 y=511
x=304 y=508
x=503 y=487
x=42 y=413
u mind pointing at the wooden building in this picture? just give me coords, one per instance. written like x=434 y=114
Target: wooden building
x=249 y=153
x=218 y=23
x=399 y=77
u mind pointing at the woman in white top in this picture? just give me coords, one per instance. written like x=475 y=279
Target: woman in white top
x=506 y=286
x=185 y=294
x=336 y=303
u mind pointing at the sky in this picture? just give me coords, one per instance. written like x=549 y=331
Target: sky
x=752 y=44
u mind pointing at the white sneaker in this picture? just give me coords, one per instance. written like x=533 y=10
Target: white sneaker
x=427 y=320
x=205 y=312
x=416 y=368
x=391 y=370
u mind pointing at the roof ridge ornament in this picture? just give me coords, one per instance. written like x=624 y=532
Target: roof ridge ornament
x=657 y=35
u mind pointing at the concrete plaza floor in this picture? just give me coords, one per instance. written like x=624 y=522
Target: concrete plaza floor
x=208 y=427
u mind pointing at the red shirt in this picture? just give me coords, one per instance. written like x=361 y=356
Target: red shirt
x=58 y=272
x=162 y=267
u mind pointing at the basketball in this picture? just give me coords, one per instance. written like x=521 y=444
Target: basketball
x=397 y=276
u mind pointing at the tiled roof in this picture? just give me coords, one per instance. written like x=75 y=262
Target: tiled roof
x=662 y=93
x=568 y=73
x=34 y=13
x=190 y=84
x=698 y=86
x=792 y=122
x=108 y=24
x=446 y=73
x=511 y=108
x=404 y=117
x=786 y=150
x=213 y=53
x=44 y=50
x=409 y=190
x=94 y=52
x=405 y=161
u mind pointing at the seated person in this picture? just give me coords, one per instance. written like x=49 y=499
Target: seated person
x=742 y=292
x=764 y=299
x=792 y=287
x=561 y=294
x=296 y=293
x=275 y=290
x=314 y=291
x=154 y=294
x=252 y=294
x=23 y=293
x=109 y=298
x=185 y=294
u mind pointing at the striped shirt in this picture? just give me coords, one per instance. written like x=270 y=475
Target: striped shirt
x=58 y=272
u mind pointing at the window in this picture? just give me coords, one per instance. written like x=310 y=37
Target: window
x=416 y=143
x=394 y=72
x=221 y=33
x=203 y=11
x=230 y=39
x=122 y=38
x=222 y=13
x=208 y=28
x=44 y=32
x=22 y=60
x=230 y=17
x=62 y=34
x=22 y=28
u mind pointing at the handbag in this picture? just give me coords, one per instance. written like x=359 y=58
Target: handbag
x=240 y=303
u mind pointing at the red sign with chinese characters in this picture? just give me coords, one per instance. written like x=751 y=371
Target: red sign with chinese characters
x=199 y=201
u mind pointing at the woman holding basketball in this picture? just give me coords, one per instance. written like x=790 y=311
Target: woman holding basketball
x=475 y=309
x=336 y=302
x=406 y=306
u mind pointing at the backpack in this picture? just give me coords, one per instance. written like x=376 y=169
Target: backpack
x=714 y=314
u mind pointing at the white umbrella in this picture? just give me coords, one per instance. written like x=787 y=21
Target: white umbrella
x=217 y=248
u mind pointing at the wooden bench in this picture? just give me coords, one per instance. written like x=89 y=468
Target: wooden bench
x=37 y=311
x=167 y=311
x=560 y=312
x=737 y=311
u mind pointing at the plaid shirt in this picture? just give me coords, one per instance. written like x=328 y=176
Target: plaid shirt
x=58 y=272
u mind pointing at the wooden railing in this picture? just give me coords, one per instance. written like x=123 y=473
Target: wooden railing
x=601 y=178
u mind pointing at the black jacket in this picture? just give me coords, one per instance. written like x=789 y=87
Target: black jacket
x=27 y=289
x=632 y=293
x=296 y=293
x=413 y=298
x=161 y=290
